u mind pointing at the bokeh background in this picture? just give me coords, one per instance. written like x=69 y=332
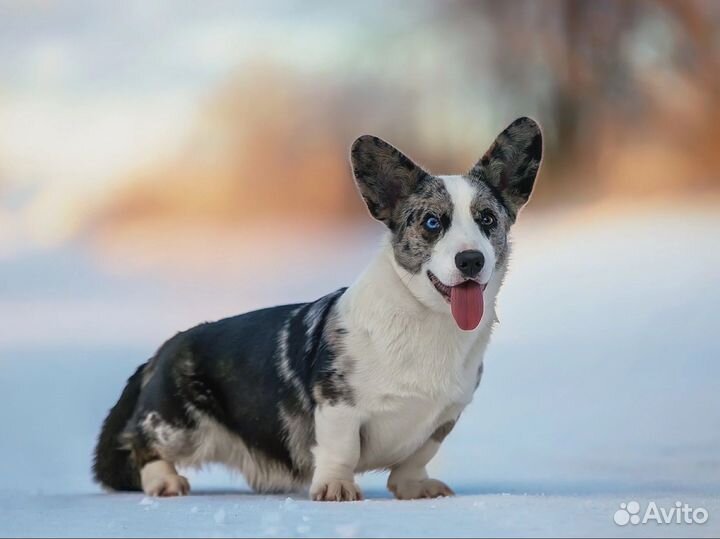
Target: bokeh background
x=124 y=125
x=164 y=163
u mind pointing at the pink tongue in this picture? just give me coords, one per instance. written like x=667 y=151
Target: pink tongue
x=466 y=304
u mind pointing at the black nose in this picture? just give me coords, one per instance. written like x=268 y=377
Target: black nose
x=470 y=262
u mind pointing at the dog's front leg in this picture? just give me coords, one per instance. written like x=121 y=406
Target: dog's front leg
x=409 y=479
x=337 y=430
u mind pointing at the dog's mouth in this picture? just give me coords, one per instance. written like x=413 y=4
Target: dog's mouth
x=465 y=299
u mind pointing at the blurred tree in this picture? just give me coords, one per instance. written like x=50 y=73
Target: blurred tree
x=627 y=93
x=574 y=60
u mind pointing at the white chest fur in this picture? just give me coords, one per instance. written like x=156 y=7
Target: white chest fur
x=411 y=366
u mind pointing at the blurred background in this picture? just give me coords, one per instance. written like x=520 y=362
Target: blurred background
x=164 y=163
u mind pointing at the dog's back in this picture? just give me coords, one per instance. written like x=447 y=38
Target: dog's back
x=245 y=380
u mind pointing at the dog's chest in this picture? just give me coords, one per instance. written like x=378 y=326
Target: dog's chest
x=406 y=384
x=397 y=429
x=433 y=362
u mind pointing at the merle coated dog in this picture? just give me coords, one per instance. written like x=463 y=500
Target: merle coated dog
x=369 y=377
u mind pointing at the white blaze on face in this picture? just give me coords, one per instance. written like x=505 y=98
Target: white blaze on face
x=464 y=234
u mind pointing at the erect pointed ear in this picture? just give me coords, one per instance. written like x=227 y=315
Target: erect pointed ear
x=384 y=176
x=511 y=164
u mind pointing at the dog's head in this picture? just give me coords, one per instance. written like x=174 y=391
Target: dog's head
x=450 y=233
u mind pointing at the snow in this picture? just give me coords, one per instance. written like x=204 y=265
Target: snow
x=600 y=387
x=225 y=514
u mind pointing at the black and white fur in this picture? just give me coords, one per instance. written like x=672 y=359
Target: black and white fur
x=369 y=377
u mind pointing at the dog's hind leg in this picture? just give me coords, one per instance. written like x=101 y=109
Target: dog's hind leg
x=156 y=445
x=160 y=478
x=162 y=431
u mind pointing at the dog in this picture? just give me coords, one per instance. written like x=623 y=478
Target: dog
x=370 y=377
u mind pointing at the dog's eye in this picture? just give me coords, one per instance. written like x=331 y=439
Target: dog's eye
x=486 y=220
x=432 y=223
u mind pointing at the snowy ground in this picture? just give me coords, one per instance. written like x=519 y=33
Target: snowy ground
x=601 y=387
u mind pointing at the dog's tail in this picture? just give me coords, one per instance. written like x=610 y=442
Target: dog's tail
x=114 y=467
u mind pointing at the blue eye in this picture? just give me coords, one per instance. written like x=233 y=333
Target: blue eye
x=432 y=223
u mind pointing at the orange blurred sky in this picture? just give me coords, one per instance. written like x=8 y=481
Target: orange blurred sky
x=119 y=122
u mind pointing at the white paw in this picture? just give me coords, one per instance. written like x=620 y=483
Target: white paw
x=335 y=490
x=422 y=488
x=168 y=485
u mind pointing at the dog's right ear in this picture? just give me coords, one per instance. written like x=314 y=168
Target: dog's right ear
x=384 y=176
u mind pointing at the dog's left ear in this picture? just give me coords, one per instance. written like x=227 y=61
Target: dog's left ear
x=512 y=162
x=384 y=175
